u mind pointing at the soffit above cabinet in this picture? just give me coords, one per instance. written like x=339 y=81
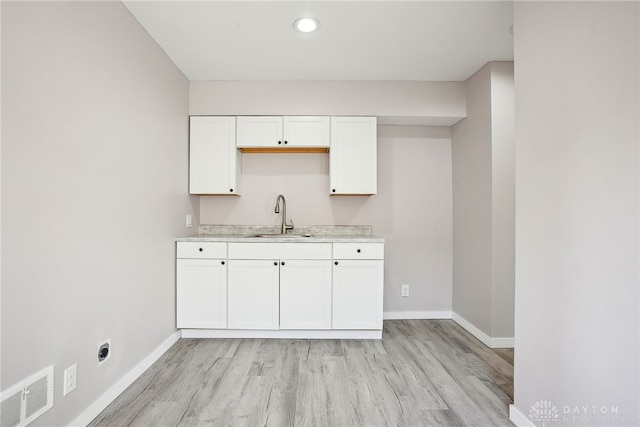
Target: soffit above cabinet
x=394 y=103
x=417 y=121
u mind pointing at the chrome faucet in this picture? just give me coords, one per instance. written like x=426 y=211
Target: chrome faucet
x=284 y=226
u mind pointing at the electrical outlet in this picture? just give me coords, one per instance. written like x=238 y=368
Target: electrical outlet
x=405 y=290
x=189 y=220
x=70 y=379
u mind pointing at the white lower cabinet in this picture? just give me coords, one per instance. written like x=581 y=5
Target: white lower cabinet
x=279 y=285
x=357 y=294
x=253 y=294
x=305 y=294
x=300 y=290
x=201 y=286
x=358 y=280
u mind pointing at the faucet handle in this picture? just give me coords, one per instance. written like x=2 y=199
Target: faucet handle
x=290 y=227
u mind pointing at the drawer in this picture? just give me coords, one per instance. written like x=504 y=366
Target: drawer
x=358 y=250
x=201 y=250
x=279 y=250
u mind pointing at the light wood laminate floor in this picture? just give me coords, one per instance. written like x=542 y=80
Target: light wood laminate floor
x=422 y=373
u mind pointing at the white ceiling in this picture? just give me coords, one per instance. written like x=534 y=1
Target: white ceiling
x=357 y=40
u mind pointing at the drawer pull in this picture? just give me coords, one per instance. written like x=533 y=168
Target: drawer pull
x=336 y=263
x=200 y=249
x=358 y=250
x=222 y=263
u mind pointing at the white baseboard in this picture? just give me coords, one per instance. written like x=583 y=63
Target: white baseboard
x=486 y=339
x=421 y=315
x=374 y=334
x=114 y=391
x=503 y=342
x=518 y=418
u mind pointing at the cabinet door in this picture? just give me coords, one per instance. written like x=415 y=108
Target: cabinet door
x=305 y=294
x=214 y=161
x=357 y=294
x=259 y=131
x=306 y=131
x=353 y=159
x=253 y=301
x=201 y=293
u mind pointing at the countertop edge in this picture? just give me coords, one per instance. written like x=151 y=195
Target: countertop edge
x=231 y=238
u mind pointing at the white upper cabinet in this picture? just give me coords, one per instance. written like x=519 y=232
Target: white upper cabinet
x=214 y=161
x=353 y=156
x=216 y=143
x=307 y=131
x=259 y=131
x=282 y=132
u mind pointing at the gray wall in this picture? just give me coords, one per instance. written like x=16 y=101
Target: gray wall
x=577 y=185
x=94 y=182
x=483 y=203
x=503 y=192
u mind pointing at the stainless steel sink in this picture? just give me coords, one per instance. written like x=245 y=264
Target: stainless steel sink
x=280 y=235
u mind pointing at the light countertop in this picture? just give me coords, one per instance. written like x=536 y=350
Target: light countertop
x=277 y=239
x=319 y=233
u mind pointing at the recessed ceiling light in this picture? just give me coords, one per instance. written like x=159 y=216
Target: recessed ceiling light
x=306 y=25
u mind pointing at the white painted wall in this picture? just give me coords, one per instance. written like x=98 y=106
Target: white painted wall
x=577 y=222
x=483 y=205
x=402 y=103
x=412 y=209
x=94 y=189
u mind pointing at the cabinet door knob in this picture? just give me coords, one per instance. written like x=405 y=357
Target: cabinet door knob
x=280 y=142
x=231 y=190
x=275 y=263
x=334 y=190
x=285 y=142
x=336 y=263
x=200 y=249
x=358 y=250
x=282 y=263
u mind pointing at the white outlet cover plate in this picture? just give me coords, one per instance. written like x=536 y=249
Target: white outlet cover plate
x=70 y=379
